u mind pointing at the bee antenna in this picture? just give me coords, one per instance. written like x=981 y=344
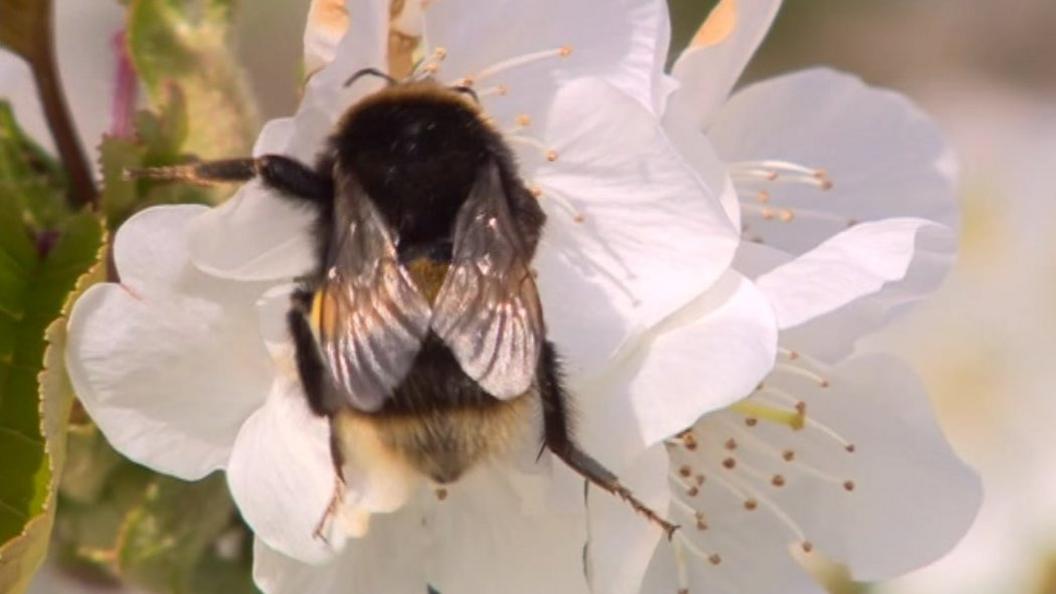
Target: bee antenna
x=467 y=90
x=372 y=72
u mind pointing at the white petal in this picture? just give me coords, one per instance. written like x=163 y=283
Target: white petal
x=257 y=235
x=857 y=262
x=626 y=44
x=652 y=237
x=884 y=157
x=487 y=541
x=746 y=567
x=389 y=560
x=706 y=356
x=622 y=542
x=281 y=473
x=708 y=69
x=911 y=499
x=169 y=363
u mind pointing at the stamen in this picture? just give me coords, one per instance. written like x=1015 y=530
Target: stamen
x=548 y=153
x=499 y=90
x=776 y=415
x=561 y=52
x=755 y=498
x=802 y=372
x=560 y=201
x=774 y=170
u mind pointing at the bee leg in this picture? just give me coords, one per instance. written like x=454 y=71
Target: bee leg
x=310 y=367
x=332 y=509
x=291 y=178
x=558 y=438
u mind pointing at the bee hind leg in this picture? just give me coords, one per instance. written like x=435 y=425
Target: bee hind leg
x=558 y=439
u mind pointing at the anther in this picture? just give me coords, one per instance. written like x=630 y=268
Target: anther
x=524 y=120
x=850 y=448
x=702 y=524
x=848 y=486
x=801 y=407
x=565 y=51
x=536 y=191
x=786 y=216
x=731 y=444
x=762 y=197
x=807 y=546
x=714 y=559
x=441 y=494
x=685 y=471
x=751 y=421
x=700 y=479
x=551 y=155
x=693 y=492
x=689 y=441
x=440 y=53
x=777 y=480
x=750 y=504
x=788 y=455
x=729 y=463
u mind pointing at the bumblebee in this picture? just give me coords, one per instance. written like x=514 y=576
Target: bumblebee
x=420 y=334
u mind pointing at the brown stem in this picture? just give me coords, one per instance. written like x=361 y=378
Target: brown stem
x=49 y=87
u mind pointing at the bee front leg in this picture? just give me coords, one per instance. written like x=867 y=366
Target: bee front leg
x=558 y=439
x=288 y=176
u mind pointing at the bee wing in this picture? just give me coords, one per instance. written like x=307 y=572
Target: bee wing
x=371 y=318
x=487 y=311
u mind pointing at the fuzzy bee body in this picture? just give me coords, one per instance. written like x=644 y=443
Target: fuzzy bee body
x=420 y=334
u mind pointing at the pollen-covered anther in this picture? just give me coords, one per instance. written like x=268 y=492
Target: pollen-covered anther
x=807 y=546
x=714 y=559
x=849 y=486
x=801 y=407
x=751 y=504
x=731 y=444
x=535 y=191
x=729 y=463
x=565 y=51
x=751 y=421
x=777 y=480
x=762 y=197
x=685 y=471
x=850 y=448
x=823 y=179
x=441 y=494
x=551 y=155
x=785 y=216
x=788 y=455
x=689 y=441
x=702 y=522
x=524 y=120
x=692 y=492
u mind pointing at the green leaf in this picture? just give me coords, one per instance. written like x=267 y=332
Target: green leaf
x=36 y=281
x=29 y=177
x=187 y=43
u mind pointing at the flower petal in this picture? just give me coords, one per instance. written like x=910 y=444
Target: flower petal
x=281 y=473
x=257 y=235
x=704 y=357
x=884 y=157
x=626 y=45
x=858 y=262
x=622 y=542
x=871 y=482
x=170 y=362
x=487 y=541
x=652 y=236
x=745 y=566
x=388 y=559
x=708 y=69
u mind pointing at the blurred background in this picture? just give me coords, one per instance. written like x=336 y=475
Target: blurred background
x=985 y=71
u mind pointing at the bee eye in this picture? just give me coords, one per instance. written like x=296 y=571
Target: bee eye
x=466 y=90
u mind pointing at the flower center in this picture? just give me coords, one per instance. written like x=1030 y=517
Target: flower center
x=744 y=458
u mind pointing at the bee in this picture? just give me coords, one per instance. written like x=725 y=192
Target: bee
x=420 y=334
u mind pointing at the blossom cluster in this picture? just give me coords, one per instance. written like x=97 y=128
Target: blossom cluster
x=709 y=262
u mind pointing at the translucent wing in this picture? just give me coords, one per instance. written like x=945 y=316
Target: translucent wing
x=371 y=319
x=487 y=311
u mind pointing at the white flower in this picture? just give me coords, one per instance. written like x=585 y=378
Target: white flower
x=846 y=197
x=186 y=364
